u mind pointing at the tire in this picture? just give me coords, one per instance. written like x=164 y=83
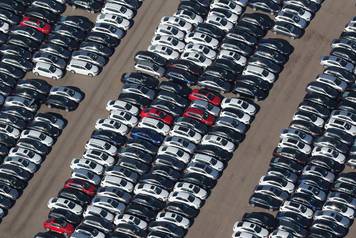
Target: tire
x=36 y=74
x=90 y=75
x=49 y=105
x=66 y=109
x=54 y=78
x=74 y=6
x=72 y=71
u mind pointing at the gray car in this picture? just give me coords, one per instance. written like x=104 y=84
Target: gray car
x=90 y=57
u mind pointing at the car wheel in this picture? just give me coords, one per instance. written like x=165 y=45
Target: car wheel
x=74 y=6
x=253 y=205
x=36 y=74
x=66 y=109
x=49 y=105
x=54 y=78
x=255 y=9
x=292 y=37
x=270 y=209
x=72 y=71
x=90 y=75
x=274 y=32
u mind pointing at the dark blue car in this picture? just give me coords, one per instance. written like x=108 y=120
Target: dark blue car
x=147 y=134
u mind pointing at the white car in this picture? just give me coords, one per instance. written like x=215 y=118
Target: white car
x=117 y=105
x=197 y=58
x=189 y=16
x=234 y=56
x=22 y=163
x=174 y=218
x=219 y=22
x=96 y=144
x=113 y=181
x=340 y=208
x=297 y=134
x=39 y=136
x=178 y=22
x=271 y=181
x=238 y=115
x=197 y=191
x=151 y=190
x=118 y=9
x=187 y=133
x=296 y=144
x=175 y=152
x=168 y=41
x=27 y=154
x=109 y=204
x=202 y=169
x=87 y=164
x=47 y=70
x=251 y=227
x=218 y=141
x=278 y=233
x=290 y=206
x=66 y=204
x=239 y=104
x=330 y=153
x=233 y=6
x=124 y=117
x=292 y=19
x=150 y=68
x=130 y=219
x=228 y=15
x=115 y=20
x=351 y=27
x=164 y=51
x=168 y=30
x=86 y=175
x=340 y=124
x=10 y=131
x=109 y=29
x=207 y=159
x=259 y=72
x=4 y=27
x=185 y=198
x=200 y=48
x=112 y=125
x=201 y=38
x=316 y=120
x=99 y=212
x=99 y=157
x=205 y=105
x=180 y=143
x=155 y=125
x=82 y=67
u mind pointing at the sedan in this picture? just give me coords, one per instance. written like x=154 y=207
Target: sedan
x=36 y=24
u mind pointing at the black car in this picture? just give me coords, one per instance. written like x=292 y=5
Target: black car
x=258 y=19
x=194 y=7
x=57 y=50
x=271 y=54
x=199 y=180
x=166 y=171
x=279 y=45
x=264 y=201
x=9 y=16
x=19 y=112
x=12 y=71
x=7 y=49
x=127 y=230
x=104 y=39
x=18 y=62
x=8 y=80
x=319 y=233
x=341 y=135
x=182 y=209
x=285 y=163
x=344 y=187
x=237 y=46
x=17 y=7
x=250 y=90
x=63 y=41
x=291 y=153
x=63 y=103
x=135 y=165
x=142 y=145
x=34 y=145
x=29 y=32
x=55 y=7
x=314 y=108
x=171 y=161
x=180 y=76
x=89 y=5
x=243 y=36
x=173 y=98
x=322 y=88
x=134 y=99
x=345 y=54
x=141 y=79
x=99 y=223
x=150 y=56
x=168 y=228
x=96 y=47
x=15 y=171
x=69 y=31
x=23 y=42
x=45 y=127
x=64 y=214
x=215 y=84
x=321 y=100
x=191 y=123
x=136 y=154
x=332 y=142
x=168 y=107
x=309 y=5
x=315 y=181
x=143 y=212
x=74 y=195
x=41 y=13
x=210 y=30
x=292 y=228
x=263 y=219
x=158 y=180
x=109 y=136
x=307 y=200
x=223 y=68
x=269 y=6
x=184 y=65
x=340 y=73
x=265 y=63
x=330 y=226
x=179 y=89
x=49 y=234
x=80 y=22
x=256 y=81
x=255 y=30
x=35 y=84
x=149 y=201
x=327 y=163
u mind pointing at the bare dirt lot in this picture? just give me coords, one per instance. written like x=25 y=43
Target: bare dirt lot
x=229 y=199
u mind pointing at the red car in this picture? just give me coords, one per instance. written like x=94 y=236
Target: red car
x=59 y=225
x=206 y=95
x=157 y=114
x=81 y=185
x=38 y=24
x=200 y=115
